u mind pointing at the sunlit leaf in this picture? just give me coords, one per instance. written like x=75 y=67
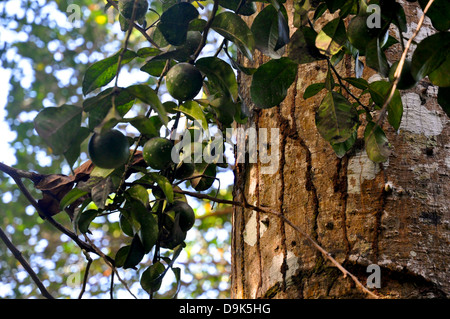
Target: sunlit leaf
x=147 y=95
x=232 y=27
x=102 y=72
x=332 y=37
x=193 y=110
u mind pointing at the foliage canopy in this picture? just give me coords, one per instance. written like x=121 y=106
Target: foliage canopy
x=153 y=211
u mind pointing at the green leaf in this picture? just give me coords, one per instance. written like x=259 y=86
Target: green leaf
x=266 y=32
x=193 y=110
x=342 y=148
x=71 y=197
x=99 y=107
x=233 y=28
x=357 y=82
x=220 y=74
x=283 y=30
x=247 y=9
x=131 y=255
x=329 y=80
x=163 y=183
x=332 y=37
x=140 y=193
x=313 y=89
x=379 y=91
x=148 y=51
x=334 y=5
x=59 y=126
x=430 y=53
x=74 y=150
x=438 y=13
x=301 y=48
x=336 y=119
x=441 y=75
x=147 y=228
x=102 y=72
x=174 y=22
x=271 y=82
x=375 y=57
x=155 y=66
x=177 y=273
x=152 y=277
x=147 y=95
x=377 y=145
x=150 y=127
x=443 y=99
x=85 y=220
x=126 y=225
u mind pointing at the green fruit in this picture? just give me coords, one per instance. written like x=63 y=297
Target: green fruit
x=186 y=213
x=184 y=81
x=157 y=153
x=126 y=8
x=185 y=51
x=359 y=34
x=109 y=150
x=406 y=80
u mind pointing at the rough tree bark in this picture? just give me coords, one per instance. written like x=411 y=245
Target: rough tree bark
x=345 y=204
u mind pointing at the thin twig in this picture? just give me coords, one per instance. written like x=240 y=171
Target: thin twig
x=17 y=254
x=206 y=29
x=110 y=263
x=17 y=175
x=86 y=275
x=245 y=204
x=401 y=62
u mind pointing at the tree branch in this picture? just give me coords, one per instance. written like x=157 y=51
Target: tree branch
x=17 y=254
x=16 y=176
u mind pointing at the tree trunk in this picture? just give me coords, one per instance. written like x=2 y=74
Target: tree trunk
x=393 y=215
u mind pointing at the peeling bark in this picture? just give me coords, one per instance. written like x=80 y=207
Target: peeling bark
x=395 y=215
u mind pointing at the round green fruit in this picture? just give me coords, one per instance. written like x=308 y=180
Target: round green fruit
x=126 y=8
x=157 y=153
x=407 y=80
x=186 y=213
x=109 y=150
x=184 y=81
